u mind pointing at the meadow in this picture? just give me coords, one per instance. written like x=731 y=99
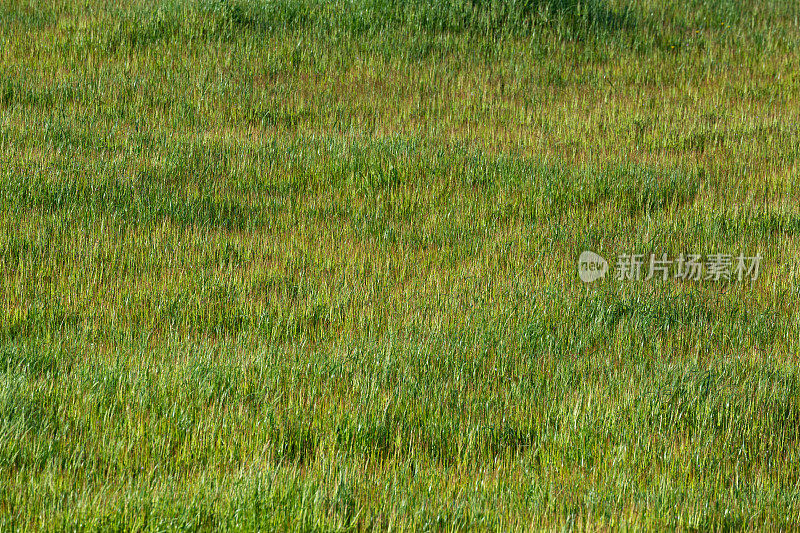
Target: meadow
x=296 y=265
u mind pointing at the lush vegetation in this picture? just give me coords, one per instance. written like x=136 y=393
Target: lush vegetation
x=306 y=265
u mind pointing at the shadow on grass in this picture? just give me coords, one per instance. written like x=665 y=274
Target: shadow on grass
x=229 y=19
x=489 y=17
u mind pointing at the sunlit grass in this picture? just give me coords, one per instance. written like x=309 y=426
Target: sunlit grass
x=302 y=265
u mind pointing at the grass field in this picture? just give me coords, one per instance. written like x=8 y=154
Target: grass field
x=304 y=265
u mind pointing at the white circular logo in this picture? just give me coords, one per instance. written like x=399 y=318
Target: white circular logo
x=591 y=267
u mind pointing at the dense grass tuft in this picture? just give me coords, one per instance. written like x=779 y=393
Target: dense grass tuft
x=303 y=265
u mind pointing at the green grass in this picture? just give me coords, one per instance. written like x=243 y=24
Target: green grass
x=304 y=265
